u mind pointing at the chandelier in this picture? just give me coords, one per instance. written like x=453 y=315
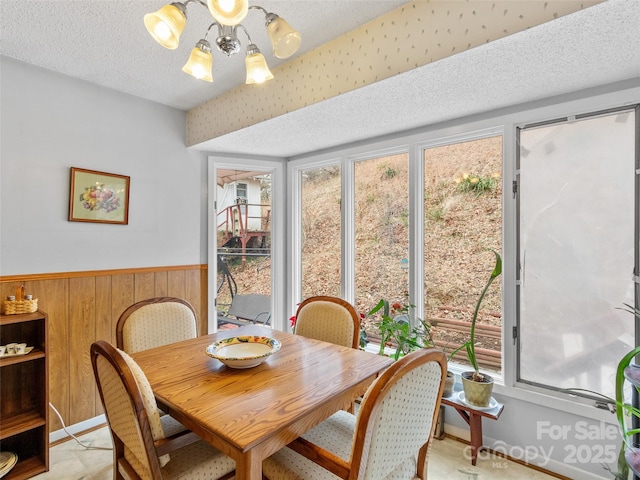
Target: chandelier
x=166 y=26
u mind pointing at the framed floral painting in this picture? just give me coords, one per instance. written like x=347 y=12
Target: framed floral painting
x=98 y=197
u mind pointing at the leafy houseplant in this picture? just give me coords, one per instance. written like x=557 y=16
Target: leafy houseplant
x=397 y=330
x=470 y=345
x=477 y=386
x=631 y=372
x=629 y=455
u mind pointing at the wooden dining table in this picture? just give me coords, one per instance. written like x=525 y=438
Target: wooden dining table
x=252 y=413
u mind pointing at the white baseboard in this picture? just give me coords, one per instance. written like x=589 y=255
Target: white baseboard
x=77 y=428
x=458 y=432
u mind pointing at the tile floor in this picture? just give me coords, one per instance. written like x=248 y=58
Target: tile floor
x=448 y=460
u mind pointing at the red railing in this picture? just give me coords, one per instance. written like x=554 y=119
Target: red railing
x=235 y=220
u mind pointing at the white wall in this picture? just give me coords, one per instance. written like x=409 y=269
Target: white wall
x=51 y=122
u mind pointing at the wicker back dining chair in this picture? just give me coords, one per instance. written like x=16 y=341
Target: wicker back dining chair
x=330 y=319
x=388 y=439
x=155 y=322
x=144 y=446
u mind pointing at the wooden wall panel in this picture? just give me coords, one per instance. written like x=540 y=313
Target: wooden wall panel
x=82 y=326
x=83 y=307
x=105 y=323
x=105 y=326
x=204 y=305
x=121 y=295
x=144 y=286
x=176 y=286
x=193 y=295
x=161 y=280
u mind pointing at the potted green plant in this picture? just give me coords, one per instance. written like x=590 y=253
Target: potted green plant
x=627 y=370
x=449 y=384
x=629 y=456
x=397 y=330
x=477 y=386
x=450 y=381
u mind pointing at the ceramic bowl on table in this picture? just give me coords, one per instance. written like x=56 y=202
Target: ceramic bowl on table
x=244 y=351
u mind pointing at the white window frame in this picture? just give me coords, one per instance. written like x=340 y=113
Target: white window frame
x=275 y=167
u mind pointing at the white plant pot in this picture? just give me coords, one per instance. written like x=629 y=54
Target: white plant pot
x=449 y=383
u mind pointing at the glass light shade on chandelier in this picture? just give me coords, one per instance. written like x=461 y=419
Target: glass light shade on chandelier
x=284 y=39
x=228 y=12
x=200 y=63
x=166 y=25
x=257 y=69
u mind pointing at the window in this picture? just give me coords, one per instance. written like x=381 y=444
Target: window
x=241 y=193
x=243 y=238
x=381 y=231
x=321 y=231
x=578 y=210
x=565 y=219
x=462 y=222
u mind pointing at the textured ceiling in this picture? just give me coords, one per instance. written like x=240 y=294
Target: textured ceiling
x=596 y=46
x=105 y=42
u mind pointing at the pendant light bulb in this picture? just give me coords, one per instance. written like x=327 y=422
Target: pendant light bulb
x=166 y=25
x=228 y=12
x=257 y=68
x=284 y=39
x=200 y=63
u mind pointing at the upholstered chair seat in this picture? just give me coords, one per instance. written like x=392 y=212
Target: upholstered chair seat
x=147 y=446
x=389 y=437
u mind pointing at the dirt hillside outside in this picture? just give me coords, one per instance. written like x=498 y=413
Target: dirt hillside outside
x=462 y=218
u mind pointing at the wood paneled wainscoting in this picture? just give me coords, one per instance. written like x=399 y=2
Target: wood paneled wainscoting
x=83 y=307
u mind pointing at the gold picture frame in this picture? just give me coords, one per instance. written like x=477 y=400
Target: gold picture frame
x=98 y=197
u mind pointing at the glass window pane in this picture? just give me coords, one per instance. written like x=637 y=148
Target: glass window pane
x=382 y=231
x=577 y=249
x=243 y=225
x=321 y=232
x=463 y=220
